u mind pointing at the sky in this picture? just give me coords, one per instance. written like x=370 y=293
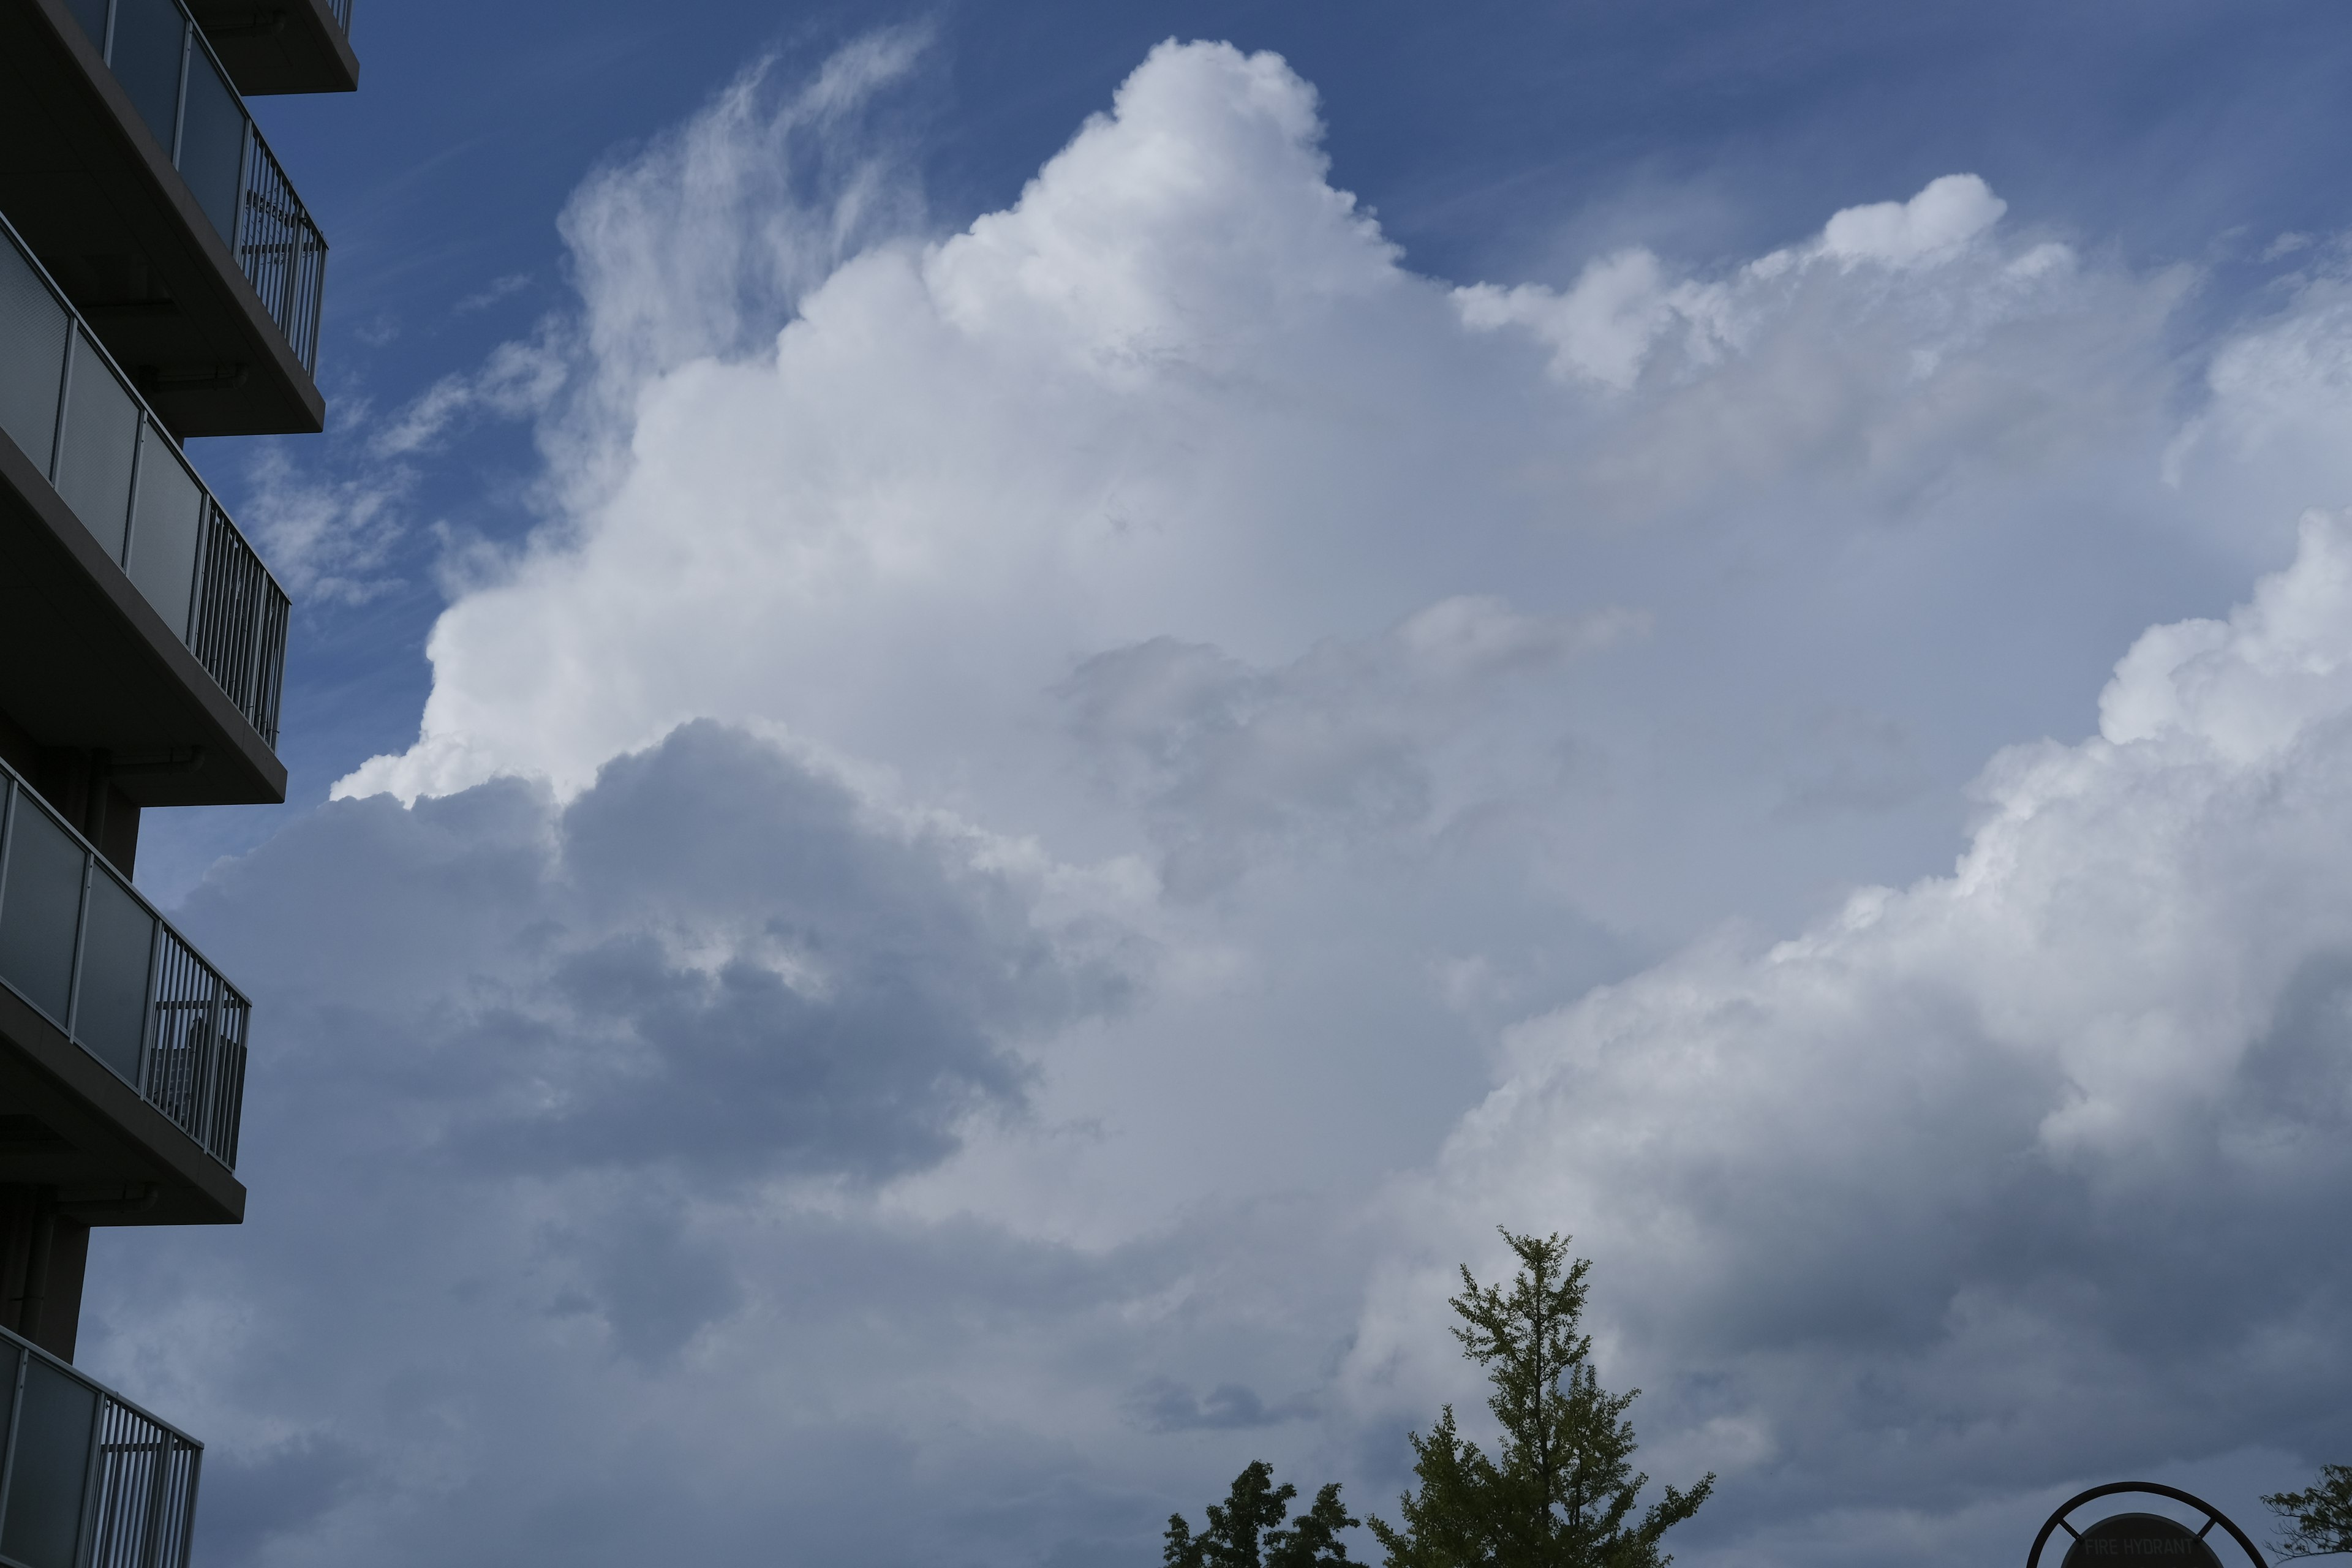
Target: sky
x=1002 y=716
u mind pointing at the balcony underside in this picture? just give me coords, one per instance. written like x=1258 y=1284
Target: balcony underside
x=86 y=185
x=86 y=662
x=67 y=1122
x=279 y=45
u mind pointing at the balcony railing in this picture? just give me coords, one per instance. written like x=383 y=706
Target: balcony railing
x=64 y=401
x=88 y=1480
x=342 y=14
x=159 y=55
x=79 y=943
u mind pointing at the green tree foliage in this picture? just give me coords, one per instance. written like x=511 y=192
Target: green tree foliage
x=1559 y=1490
x=1247 y=1531
x=2317 y=1520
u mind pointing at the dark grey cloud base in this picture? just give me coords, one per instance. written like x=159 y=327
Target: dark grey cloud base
x=518 y=1055
x=711 y=965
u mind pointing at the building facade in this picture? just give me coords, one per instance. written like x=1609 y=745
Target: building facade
x=159 y=278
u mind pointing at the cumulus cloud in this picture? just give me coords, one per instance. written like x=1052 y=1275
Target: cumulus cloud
x=539 y=1078
x=1227 y=761
x=1626 y=310
x=1185 y=388
x=1164 y=1404
x=1035 y=776
x=2039 y=1146
x=713 y=963
x=1877 y=362
x=1931 y=226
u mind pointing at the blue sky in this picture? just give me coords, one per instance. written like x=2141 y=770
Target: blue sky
x=1026 y=706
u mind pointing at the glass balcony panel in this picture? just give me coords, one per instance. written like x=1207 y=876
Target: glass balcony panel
x=40 y=903
x=151 y=38
x=32 y=357
x=101 y=440
x=212 y=142
x=118 y=946
x=58 y=1420
x=166 y=524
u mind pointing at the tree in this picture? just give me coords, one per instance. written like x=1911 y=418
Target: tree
x=1248 y=1533
x=1559 y=1490
x=2317 y=1520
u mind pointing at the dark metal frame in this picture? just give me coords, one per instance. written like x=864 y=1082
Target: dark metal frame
x=2213 y=1516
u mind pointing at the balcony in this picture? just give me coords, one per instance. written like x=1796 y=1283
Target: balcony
x=184 y=94
x=88 y=1480
x=137 y=619
x=282 y=46
x=122 y=1052
x=129 y=166
x=81 y=948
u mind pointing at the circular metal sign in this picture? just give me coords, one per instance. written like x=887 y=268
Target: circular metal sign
x=2140 y=1537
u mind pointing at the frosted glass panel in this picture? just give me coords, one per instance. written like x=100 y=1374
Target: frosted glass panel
x=102 y=437
x=149 y=37
x=212 y=142
x=91 y=14
x=45 y=1496
x=110 y=1014
x=40 y=901
x=166 y=525
x=32 y=356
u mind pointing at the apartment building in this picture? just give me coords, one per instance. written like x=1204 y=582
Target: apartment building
x=159 y=278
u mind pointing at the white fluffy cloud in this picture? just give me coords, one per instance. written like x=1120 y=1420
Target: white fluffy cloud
x=1611 y=326
x=1226 y=762
x=2047 y=1146
x=1181 y=713
x=1184 y=388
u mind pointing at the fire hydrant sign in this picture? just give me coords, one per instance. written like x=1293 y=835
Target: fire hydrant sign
x=2127 y=1538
